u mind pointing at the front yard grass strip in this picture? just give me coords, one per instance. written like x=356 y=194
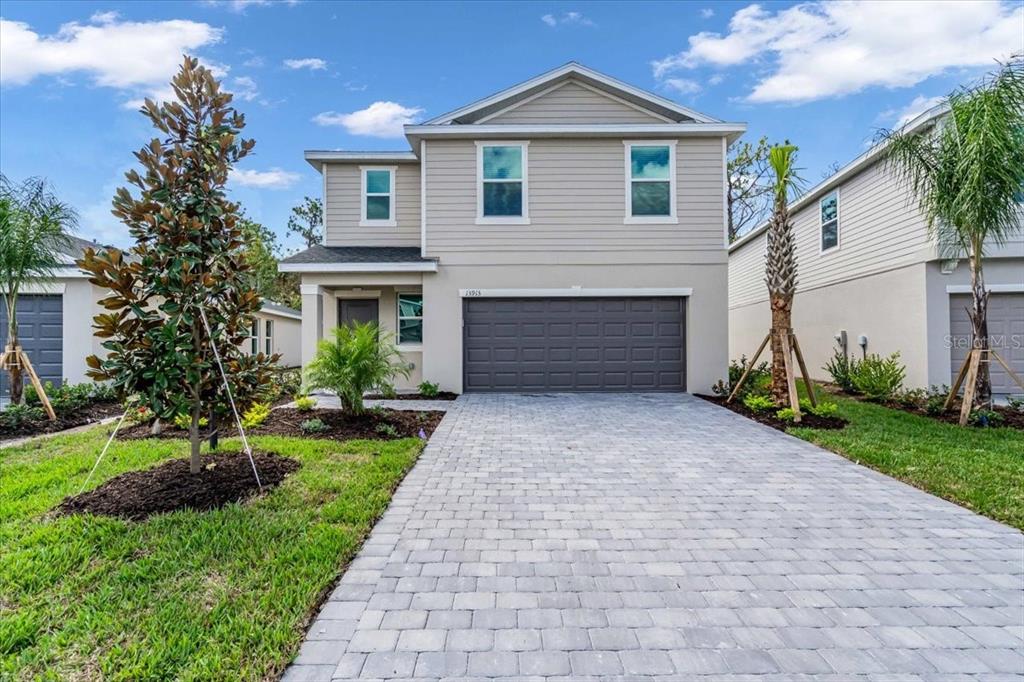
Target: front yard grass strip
x=981 y=469
x=217 y=595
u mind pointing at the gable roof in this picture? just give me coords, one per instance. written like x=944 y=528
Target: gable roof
x=488 y=106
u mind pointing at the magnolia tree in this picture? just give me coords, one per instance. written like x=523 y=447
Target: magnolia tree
x=188 y=262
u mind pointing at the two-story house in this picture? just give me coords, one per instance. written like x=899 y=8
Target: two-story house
x=565 y=234
x=872 y=276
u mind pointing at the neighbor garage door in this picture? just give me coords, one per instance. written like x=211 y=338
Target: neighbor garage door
x=574 y=344
x=40 y=330
x=1005 y=329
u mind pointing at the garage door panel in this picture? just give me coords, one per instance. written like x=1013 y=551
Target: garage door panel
x=1006 y=334
x=574 y=344
x=41 y=334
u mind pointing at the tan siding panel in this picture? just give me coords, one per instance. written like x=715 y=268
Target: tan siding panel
x=573 y=103
x=343 y=203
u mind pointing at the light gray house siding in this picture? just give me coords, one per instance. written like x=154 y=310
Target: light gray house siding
x=343 y=206
x=573 y=102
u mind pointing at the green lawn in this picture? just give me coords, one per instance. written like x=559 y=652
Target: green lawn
x=981 y=469
x=220 y=595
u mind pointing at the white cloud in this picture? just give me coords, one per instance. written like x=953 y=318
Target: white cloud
x=240 y=6
x=567 y=19
x=275 y=178
x=380 y=119
x=244 y=88
x=683 y=86
x=707 y=13
x=136 y=57
x=716 y=79
x=827 y=49
x=311 y=63
x=254 y=62
x=919 y=105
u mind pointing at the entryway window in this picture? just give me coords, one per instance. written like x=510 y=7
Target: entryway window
x=502 y=195
x=829 y=206
x=268 y=337
x=378 y=205
x=254 y=337
x=410 y=318
x=650 y=182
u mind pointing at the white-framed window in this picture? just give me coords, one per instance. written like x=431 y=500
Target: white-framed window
x=410 y=319
x=254 y=337
x=268 y=337
x=651 y=181
x=502 y=185
x=828 y=210
x=378 y=196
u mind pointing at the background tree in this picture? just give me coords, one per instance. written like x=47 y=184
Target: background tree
x=262 y=252
x=307 y=220
x=750 y=188
x=780 y=261
x=188 y=259
x=967 y=176
x=33 y=232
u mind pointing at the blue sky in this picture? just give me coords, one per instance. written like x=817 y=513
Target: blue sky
x=322 y=75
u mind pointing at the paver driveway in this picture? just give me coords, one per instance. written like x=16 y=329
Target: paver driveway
x=660 y=537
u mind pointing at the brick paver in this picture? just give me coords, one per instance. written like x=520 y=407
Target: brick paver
x=657 y=537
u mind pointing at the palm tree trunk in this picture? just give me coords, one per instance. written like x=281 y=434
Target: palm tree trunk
x=979 y=331
x=17 y=382
x=782 y=322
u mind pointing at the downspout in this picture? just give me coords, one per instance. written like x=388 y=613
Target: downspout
x=423 y=198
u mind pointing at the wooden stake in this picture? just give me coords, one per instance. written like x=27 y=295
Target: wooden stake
x=972 y=375
x=746 y=372
x=1013 y=375
x=803 y=370
x=794 y=399
x=956 y=384
x=27 y=364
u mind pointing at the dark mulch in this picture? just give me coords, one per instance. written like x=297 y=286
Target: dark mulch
x=442 y=395
x=287 y=421
x=808 y=420
x=80 y=417
x=224 y=478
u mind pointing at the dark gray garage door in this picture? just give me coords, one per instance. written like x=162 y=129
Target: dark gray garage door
x=574 y=344
x=40 y=330
x=1005 y=332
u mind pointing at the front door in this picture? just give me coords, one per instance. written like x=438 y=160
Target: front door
x=361 y=310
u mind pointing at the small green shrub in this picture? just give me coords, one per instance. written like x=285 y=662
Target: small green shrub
x=879 y=378
x=985 y=418
x=313 y=426
x=386 y=429
x=388 y=392
x=759 y=403
x=139 y=414
x=756 y=382
x=786 y=414
x=842 y=368
x=935 y=403
x=255 y=415
x=824 y=410
x=303 y=403
x=65 y=399
x=910 y=397
x=184 y=421
x=1015 y=403
x=16 y=416
x=428 y=389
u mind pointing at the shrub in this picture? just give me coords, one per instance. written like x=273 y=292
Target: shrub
x=935 y=403
x=255 y=415
x=911 y=397
x=1015 y=403
x=15 y=416
x=386 y=429
x=756 y=382
x=303 y=403
x=428 y=389
x=64 y=399
x=388 y=392
x=842 y=368
x=759 y=403
x=985 y=418
x=139 y=415
x=359 y=358
x=879 y=378
x=786 y=414
x=183 y=421
x=824 y=410
x=313 y=426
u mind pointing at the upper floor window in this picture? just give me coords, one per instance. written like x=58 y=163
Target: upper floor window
x=651 y=182
x=378 y=205
x=501 y=183
x=410 y=318
x=829 y=207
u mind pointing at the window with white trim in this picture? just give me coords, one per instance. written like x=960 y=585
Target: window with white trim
x=268 y=337
x=502 y=194
x=650 y=182
x=378 y=200
x=829 y=210
x=410 y=318
x=254 y=337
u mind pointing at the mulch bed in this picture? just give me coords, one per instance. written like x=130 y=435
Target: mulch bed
x=80 y=417
x=442 y=395
x=811 y=421
x=287 y=421
x=224 y=478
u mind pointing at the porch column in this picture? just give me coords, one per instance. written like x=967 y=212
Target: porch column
x=312 y=319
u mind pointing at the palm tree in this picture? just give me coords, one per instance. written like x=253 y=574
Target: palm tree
x=33 y=230
x=967 y=176
x=780 y=262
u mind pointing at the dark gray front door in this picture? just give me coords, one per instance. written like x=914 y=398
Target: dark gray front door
x=41 y=333
x=357 y=310
x=574 y=344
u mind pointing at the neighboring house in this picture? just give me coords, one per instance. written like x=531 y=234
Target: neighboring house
x=565 y=234
x=868 y=268
x=278 y=329
x=55 y=324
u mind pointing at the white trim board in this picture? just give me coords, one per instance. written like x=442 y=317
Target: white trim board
x=991 y=288
x=575 y=292
x=358 y=267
